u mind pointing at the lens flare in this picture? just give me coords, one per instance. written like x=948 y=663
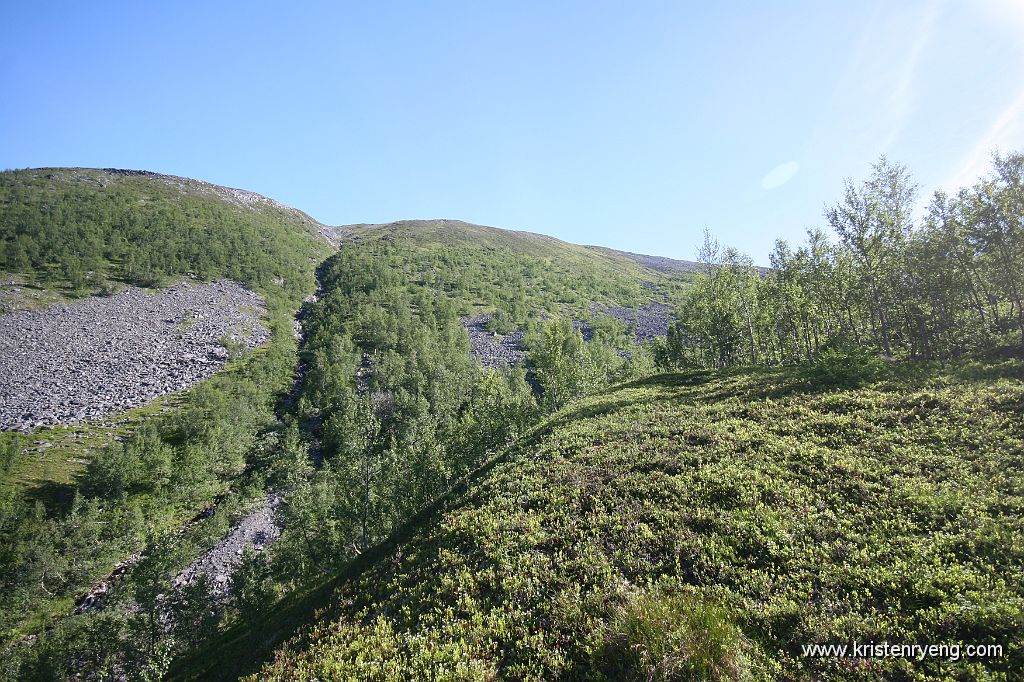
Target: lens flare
x=780 y=175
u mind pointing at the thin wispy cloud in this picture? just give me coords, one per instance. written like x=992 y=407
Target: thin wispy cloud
x=1006 y=131
x=780 y=175
x=875 y=97
x=902 y=99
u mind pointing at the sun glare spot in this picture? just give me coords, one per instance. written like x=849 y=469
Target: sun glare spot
x=780 y=175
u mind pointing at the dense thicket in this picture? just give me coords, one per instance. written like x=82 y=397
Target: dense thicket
x=401 y=408
x=939 y=288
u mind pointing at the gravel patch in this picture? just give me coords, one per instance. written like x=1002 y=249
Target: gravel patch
x=257 y=530
x=92 y=358
x=648 y=322
x=493 y=351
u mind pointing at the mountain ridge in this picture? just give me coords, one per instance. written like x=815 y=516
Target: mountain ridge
x=244 y=198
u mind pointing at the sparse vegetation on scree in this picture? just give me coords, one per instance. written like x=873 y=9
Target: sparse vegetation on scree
x=822 y=452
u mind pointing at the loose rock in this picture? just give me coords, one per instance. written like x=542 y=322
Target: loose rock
x=491 y=350
x=258 y=530
x=95 y=357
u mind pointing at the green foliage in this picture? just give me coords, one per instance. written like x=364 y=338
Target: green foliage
x=501 y=408
x=403 y=411
x=564 y=367
x=147 y=636
x=501 y=323
x=940 y=290
x=668 y=635
x=252 y=591
x=759 y=510
x=232 y=346
x=841 y=362
x=81 y=228
x=517 y=273
x=195 y=613
x=99 y=642
x=567 y=368
x=716 y=314
x=143 y=463
x=865 y=514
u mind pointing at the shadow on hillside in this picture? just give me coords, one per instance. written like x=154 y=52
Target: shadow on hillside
x=597 y=410
x=56 y=497
x=1002 y=368
x=711 y=386
x=242 y=650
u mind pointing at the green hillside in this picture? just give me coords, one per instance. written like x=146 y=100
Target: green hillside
x=702 y=526
x=497 y=455
x=488 y=266
x=392 y=310
x=400 y=408
x=70 y=513
x=82 y=231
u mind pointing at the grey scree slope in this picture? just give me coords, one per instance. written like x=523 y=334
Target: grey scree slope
x=95 y=357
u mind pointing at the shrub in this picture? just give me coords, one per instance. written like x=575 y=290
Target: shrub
x=666 y=634
x=501 y=323
x=843 y=363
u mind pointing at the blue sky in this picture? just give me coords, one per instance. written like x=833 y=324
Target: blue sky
x=630 y=125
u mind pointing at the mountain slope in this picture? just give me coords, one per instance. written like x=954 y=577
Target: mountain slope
x=800 y=515
x=387 y=339
x=503 y=264
x=656 y=263
x=701 y=525
x=76 y=500
x=87 y=230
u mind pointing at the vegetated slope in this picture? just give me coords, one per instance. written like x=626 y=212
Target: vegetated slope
x=68 y=233
x=84 y=230
x=715 y=521
x=491 y=266
x=401 y=407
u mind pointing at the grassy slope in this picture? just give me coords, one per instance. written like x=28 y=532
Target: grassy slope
x=891 y=512
x=496 y=263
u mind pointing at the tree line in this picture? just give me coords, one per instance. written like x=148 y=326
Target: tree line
x=884 y=283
